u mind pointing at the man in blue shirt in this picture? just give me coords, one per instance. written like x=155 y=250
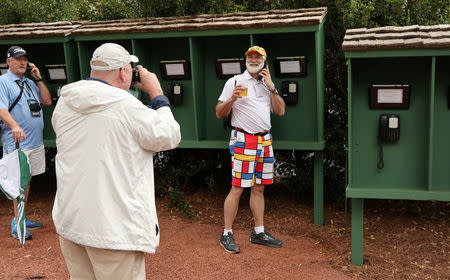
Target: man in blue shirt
x=21 y=102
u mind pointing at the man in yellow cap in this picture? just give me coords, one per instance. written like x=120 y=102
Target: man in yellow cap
x=250 y=97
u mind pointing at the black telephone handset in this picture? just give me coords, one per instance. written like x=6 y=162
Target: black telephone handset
x=388 y=133
x=28 y=71
x=389 y=130
x=265 y=65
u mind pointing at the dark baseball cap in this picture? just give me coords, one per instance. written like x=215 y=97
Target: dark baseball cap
x=15 y=51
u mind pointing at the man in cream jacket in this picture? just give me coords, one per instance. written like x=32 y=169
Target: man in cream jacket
x=104 y=210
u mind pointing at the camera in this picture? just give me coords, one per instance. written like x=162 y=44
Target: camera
x=35 y=106
x=135 y=77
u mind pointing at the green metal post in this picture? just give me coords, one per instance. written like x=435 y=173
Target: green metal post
x=71 y=59
x=318 y=188
x=193 y=53
x=85 y=69
x=357 y=230
x=318 y=155
x=320 y=53
x=349 y=121
x=431 y=125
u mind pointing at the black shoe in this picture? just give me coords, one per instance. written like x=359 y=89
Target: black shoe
x=265 y=238
x=228 y=243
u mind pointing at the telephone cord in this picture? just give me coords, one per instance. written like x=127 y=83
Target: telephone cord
x=380 y=164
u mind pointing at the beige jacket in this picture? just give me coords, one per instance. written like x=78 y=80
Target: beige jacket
x=104 y=166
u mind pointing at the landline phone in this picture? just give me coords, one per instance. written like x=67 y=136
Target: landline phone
x=389 y=130
x=388 y=133
x=289 y=92
x=265 y=65
x=175 y=93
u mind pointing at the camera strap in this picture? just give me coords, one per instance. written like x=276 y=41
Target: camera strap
x=29 y=91
x=18 y=97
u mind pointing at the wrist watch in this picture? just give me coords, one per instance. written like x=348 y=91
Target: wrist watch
x=273 y=90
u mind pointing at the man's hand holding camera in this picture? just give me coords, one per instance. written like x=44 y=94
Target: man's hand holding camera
x=148 y=82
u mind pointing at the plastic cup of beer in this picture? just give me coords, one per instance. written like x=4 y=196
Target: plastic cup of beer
x=244 y=85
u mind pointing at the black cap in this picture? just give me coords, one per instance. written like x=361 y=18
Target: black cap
x=15 y=51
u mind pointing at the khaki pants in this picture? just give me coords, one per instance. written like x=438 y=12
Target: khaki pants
x=84 y=262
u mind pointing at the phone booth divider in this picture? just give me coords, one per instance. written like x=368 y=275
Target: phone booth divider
x=398 y=117
x=184 y=51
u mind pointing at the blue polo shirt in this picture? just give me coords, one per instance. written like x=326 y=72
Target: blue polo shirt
x=33 y=126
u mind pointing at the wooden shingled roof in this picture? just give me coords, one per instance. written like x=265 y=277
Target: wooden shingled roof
x=39 y=30
x=393 y=37
x=273 y=18
x=307 y=16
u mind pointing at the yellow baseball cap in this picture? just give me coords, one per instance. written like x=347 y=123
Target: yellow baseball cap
x=256 y=49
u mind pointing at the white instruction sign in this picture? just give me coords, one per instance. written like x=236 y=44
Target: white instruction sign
x=390 y=95
x=57 y=73
x=290 y=66
x=175 y=69
x=231 y=68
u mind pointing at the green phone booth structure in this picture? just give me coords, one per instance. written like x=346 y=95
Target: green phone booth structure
x=398 y=117
x=51 y=48
x=194 y=56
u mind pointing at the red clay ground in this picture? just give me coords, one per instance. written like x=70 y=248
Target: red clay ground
x=403 y=240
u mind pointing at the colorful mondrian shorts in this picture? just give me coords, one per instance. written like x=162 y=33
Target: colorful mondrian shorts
x=251 y=159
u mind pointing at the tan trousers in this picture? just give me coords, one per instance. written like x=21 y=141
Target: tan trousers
x=85 y=263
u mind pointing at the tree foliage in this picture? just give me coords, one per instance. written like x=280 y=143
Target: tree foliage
x=374 y=13
x=342 y=15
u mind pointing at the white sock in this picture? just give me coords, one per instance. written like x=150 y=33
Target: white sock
x=226 y=231
x=258 y=230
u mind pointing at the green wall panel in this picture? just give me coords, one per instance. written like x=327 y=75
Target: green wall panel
x=406 y=162
x=151 y=52
x=232 y=46
x=300 y=121
x=441 y=142
x=198 y=85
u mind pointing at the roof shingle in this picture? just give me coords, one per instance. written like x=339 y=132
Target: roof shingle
x=41 y=29
x=273 y=18
x=204 y=22
x=397 y=37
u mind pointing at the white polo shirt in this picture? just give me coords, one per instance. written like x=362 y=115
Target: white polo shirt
x=251 y=112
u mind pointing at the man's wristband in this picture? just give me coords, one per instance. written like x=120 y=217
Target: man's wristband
x=38 y=80
x=273 y=90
